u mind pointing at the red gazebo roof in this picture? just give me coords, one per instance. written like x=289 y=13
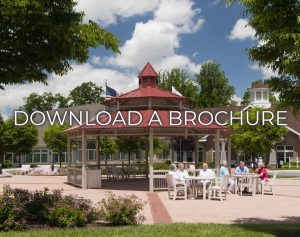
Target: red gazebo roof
x=148 y=71
x=164 y=116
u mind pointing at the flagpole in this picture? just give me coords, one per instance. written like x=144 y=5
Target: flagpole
x=105 y=88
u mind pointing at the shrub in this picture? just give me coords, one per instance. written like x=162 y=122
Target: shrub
x=7 y=164
x=168 y=162
x=72 y=211
x=119 y=210
x=62 y=171
x=161 y=166
x=33 y=166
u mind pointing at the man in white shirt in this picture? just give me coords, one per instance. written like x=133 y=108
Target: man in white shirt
x=206 y=172
x=181 y=173
x=172 y=171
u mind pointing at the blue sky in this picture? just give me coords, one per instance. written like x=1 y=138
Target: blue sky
x=167 y=33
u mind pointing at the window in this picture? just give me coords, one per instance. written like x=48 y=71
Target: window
x=201 y=154
x=284 y=153
x=252 y=96
x=37 y=156
x=63 y=157
x=265 y=95
x=8 y=157
x=258 y=95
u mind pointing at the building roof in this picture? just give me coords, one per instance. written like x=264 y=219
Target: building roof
x=259 y=85
x=149 y=91
x=148 y=71
x=164 y=116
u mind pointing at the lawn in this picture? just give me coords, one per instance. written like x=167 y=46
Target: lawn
x=174 y=230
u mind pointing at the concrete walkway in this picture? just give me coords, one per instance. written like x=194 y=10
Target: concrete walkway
x=283 y=207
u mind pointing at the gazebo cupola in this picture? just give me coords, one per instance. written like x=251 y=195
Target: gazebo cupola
x=148 y=95
x=148 y=76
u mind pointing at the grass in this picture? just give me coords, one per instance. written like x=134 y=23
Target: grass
x=174 y=230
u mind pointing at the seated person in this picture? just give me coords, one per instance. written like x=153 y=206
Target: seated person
x=182 y=174
x=172 y=171
x=224 y=171
x=242 y=169
x=206 y=173
x=263 y=175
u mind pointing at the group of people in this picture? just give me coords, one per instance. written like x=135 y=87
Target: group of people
x=181 y=175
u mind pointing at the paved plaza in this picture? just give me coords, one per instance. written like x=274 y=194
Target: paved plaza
x=284 y=206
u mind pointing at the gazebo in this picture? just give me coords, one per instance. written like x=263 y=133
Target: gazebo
x=151 y=102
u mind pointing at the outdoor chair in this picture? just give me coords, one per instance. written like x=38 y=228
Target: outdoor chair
x=25 y=169
x=268 y=187
x=246 y=182
x=176 y=188
x=220 y=187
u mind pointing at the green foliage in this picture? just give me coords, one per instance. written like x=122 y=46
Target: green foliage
x=71 y=211
x=46 y=101
x=55 y=139
x=7 y=164
x=20 y=139
x=128 y=145
x=107 y=146
x=119 y=210
x=86 y=93
x=180 y=80
x=292 y=165
x=277 y=24
x=30 y=29
x=215 y=90
x=19 y=208
x=161 y=166
x=2 y=138
x=246 y=99
x=256 y=139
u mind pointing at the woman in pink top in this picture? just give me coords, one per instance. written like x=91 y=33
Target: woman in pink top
x=263 y=175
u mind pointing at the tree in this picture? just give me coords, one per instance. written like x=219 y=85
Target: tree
x=42 y=37
x=86 y=93
x=256 y=139
x=128 y=145
x=55 y=140
x=215 y=90
x=2 y=139
x=180 y=80
x=277 y=25
x=20 y=139
x=246 y=99
x=46 y=101
x=107 y=146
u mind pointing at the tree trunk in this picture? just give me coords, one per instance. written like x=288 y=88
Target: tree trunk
x=129 y=158
x=146 y=154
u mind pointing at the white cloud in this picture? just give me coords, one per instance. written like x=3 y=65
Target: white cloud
x=107 y=12
x=237 y=98
x=156 y=40
x=214 y=3
x=13 y=96
x=242 y=31
x=266 y=72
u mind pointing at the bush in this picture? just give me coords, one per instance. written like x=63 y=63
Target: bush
x=62 y=171
x=33 y=166
x=72 y=211
x=7 y=164
x=20 y=208
x=119 y=210
x=168 y=162
x=161 y=166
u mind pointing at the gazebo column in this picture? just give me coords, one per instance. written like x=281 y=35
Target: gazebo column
x=229 y=153
x=196 y=150
x=151 y=159
x=217 y=151
x=83 y=161
x=97 y=153
x=69 y=151
x=223 y=149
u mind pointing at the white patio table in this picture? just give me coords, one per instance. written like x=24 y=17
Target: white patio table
x=239 y=176
x=205 y=180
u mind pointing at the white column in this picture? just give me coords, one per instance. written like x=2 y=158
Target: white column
x=97 y=153
x=272 y=160
x=223 y=149
x=196 y=150
x=229 y=153
x=83 y=162
x=68 y=151
x=151 y=159
x=217 y=151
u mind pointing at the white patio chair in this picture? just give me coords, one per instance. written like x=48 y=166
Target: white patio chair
x=25 y=169
x=268 y=187
x=246 y=181
x=220 y=187
x=176 y=188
